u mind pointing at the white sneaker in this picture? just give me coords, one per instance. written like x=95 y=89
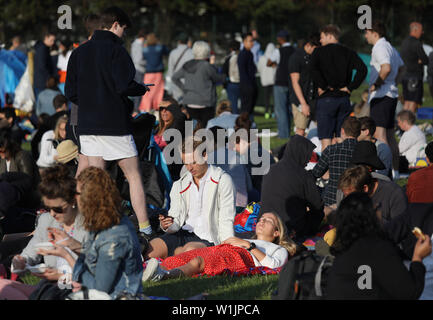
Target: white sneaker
x=153 y=271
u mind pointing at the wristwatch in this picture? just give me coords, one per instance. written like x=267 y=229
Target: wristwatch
x=252 y=246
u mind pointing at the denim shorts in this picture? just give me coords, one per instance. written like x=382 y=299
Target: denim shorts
x=180 y=238
x=330 y=114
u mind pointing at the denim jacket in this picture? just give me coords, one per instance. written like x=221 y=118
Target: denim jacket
x=111 y=261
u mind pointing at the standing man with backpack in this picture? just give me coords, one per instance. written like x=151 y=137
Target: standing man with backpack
x=176 y=59
x=100 y=77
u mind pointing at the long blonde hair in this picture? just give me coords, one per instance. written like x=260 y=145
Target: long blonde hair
x=283 y=239
x=62 y=119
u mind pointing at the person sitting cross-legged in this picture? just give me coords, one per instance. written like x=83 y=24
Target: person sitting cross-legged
x=202 y=207
x=270 y=247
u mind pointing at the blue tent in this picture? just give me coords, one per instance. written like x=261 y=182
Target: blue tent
x=12 y=66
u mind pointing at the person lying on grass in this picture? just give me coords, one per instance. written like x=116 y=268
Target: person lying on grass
x=270 y=247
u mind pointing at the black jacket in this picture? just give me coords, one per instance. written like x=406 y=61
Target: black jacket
x=332 y=66
x=411 y=51
x=288 y=189
x=390 y=279
x=400 y=228
x=43 y=66
x=100 y=77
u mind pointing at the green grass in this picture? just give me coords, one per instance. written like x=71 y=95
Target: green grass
x=258 y=287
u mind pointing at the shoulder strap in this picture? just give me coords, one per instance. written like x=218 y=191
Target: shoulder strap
x=318 y=278
x=178 y=60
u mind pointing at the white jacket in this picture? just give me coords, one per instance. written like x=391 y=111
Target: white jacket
x=48 y=152
x=219 y=204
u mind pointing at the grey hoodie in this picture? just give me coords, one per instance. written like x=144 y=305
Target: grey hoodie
x=200 y=82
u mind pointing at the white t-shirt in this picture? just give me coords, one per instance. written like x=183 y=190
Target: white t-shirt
x=267 y=74
x=412 y=144
x=62 y=62
x=275 y=57
x=196 y=222
x=276 y=255
x=384 y=53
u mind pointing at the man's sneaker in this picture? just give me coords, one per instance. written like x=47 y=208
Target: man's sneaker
x=153 y=271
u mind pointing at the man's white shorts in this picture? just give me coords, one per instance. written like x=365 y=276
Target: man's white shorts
x=108 y=147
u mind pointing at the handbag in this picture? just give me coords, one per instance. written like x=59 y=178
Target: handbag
x=47 y=290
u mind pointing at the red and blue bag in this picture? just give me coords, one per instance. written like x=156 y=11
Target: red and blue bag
x=246 y=220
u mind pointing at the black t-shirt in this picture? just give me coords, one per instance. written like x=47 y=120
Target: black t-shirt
x=411 y=51
x=299 y=63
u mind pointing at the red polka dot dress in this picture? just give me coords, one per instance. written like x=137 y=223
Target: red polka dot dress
x=217 y=259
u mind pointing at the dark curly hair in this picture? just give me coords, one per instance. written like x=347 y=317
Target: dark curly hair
x=355 y=219
x=57 y=182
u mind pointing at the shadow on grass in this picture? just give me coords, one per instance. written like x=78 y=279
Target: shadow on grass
x=219 y=288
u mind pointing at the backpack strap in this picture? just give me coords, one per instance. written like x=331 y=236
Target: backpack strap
x=178 y=60
x=318 y=278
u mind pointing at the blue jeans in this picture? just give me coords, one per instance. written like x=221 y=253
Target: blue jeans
x=233 y=95
x=330 y=114
x=283 y=114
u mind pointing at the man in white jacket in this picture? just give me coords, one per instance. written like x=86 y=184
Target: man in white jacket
x=202 y=207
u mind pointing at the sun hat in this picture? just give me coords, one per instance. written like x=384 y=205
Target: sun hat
x=66 y=151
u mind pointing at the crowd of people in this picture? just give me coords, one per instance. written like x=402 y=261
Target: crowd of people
x=82 y=199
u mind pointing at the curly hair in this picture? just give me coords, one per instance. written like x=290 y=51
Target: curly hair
x=355 y=219
x=57 y=182
x=100 y=200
